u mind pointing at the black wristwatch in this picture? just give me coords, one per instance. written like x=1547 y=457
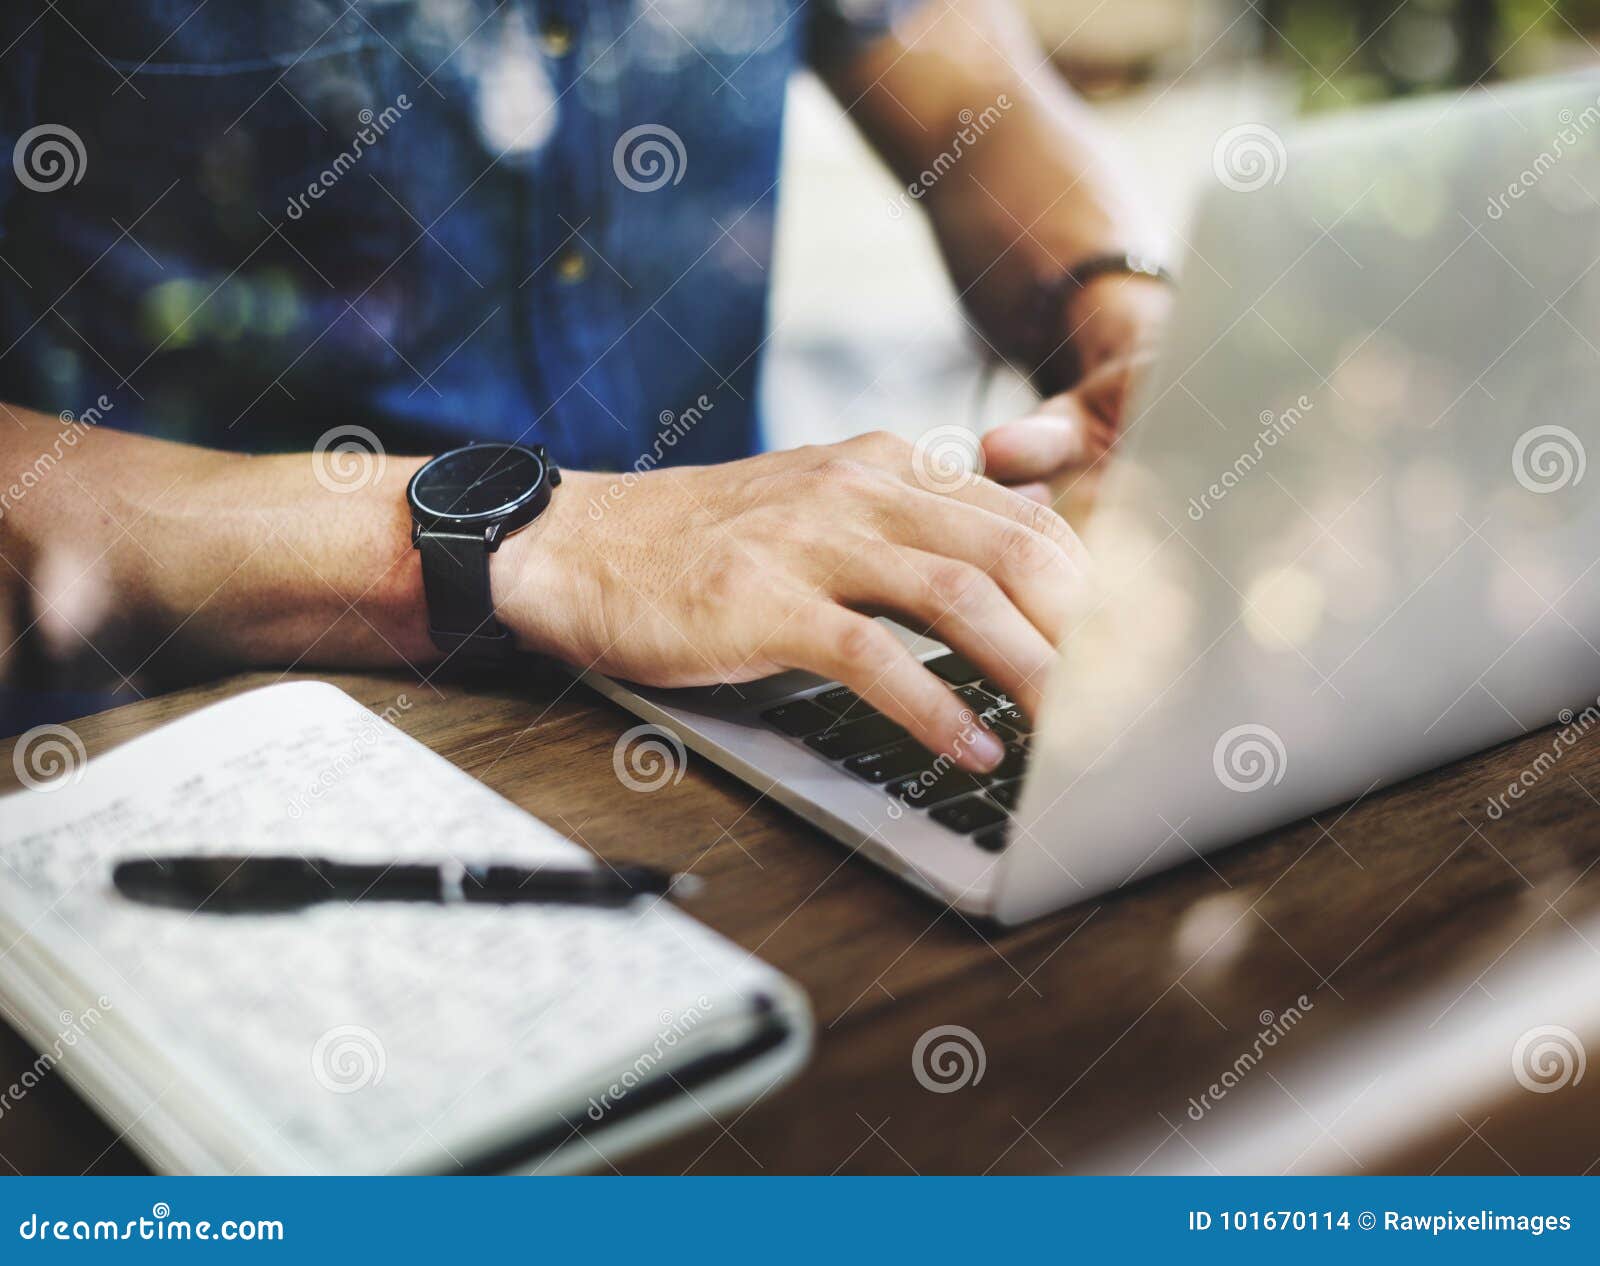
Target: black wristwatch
x=463 y=504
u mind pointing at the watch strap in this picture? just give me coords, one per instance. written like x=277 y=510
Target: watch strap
x=455 y=577
x=1117 y=263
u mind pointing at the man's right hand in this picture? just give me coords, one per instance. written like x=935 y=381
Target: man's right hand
x=698 y=575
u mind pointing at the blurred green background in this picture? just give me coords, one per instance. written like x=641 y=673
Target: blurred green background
x=1350 y=51
x=1338 y=53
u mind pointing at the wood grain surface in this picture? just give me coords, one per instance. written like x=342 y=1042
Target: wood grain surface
x=1100 y=1027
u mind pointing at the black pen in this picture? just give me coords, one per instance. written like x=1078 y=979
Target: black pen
x=232 y=884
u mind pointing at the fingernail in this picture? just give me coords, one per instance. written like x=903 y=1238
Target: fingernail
x=1047 y=426
x=986 y=751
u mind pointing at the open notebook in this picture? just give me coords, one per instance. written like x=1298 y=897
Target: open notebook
x=359 y=1038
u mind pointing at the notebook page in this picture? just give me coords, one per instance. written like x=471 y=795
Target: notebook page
x=366 y=1037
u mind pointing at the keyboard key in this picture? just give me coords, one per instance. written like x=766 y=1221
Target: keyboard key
x=1004 y=712
x=930 y=787
x=1010 y=733
x=969 y=815
x=954 y=669
x=798 y=719
x=993 y=708
x=844 y=702
x=992 y=840
x=1005 y=794
x=1011 y=766
x=839 y=741
x=976 y=696
x=884 y=763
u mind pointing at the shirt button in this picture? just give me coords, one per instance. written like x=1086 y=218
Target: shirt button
x=573 y=266
x=556 y=37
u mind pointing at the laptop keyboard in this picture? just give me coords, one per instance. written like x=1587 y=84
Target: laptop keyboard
x=838 y=727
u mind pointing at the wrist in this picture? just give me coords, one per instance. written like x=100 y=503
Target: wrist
x=535 y=580
x=474 y=509
x=1114 y=315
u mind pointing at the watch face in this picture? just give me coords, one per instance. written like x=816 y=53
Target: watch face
x=479 y=482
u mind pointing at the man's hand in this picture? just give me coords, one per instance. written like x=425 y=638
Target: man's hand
x=729 y=573
x=1113 y=324
x=1027 y=186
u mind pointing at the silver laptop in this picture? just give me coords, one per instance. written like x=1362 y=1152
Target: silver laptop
x=1350 y=533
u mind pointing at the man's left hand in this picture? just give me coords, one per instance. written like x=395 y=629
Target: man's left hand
x=1112 y=326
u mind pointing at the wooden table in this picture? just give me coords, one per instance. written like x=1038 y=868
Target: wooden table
x=1099 y=1026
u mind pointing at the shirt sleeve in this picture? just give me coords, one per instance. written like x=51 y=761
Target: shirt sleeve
x=840 y=28
x=20 y=40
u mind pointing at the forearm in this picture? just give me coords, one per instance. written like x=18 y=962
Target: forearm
x=1019 y=181
x=142 y=547
x=1043 y=198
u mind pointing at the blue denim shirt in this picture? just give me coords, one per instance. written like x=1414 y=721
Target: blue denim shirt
x=247 y=222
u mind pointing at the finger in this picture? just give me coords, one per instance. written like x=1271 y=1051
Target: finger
x=1037 y=574
x=1035 y=513
x=887 y=452
x=961 y=606
x=860 y=652
x=1057 y=436
x=1107 y=390
x=1042 y=493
